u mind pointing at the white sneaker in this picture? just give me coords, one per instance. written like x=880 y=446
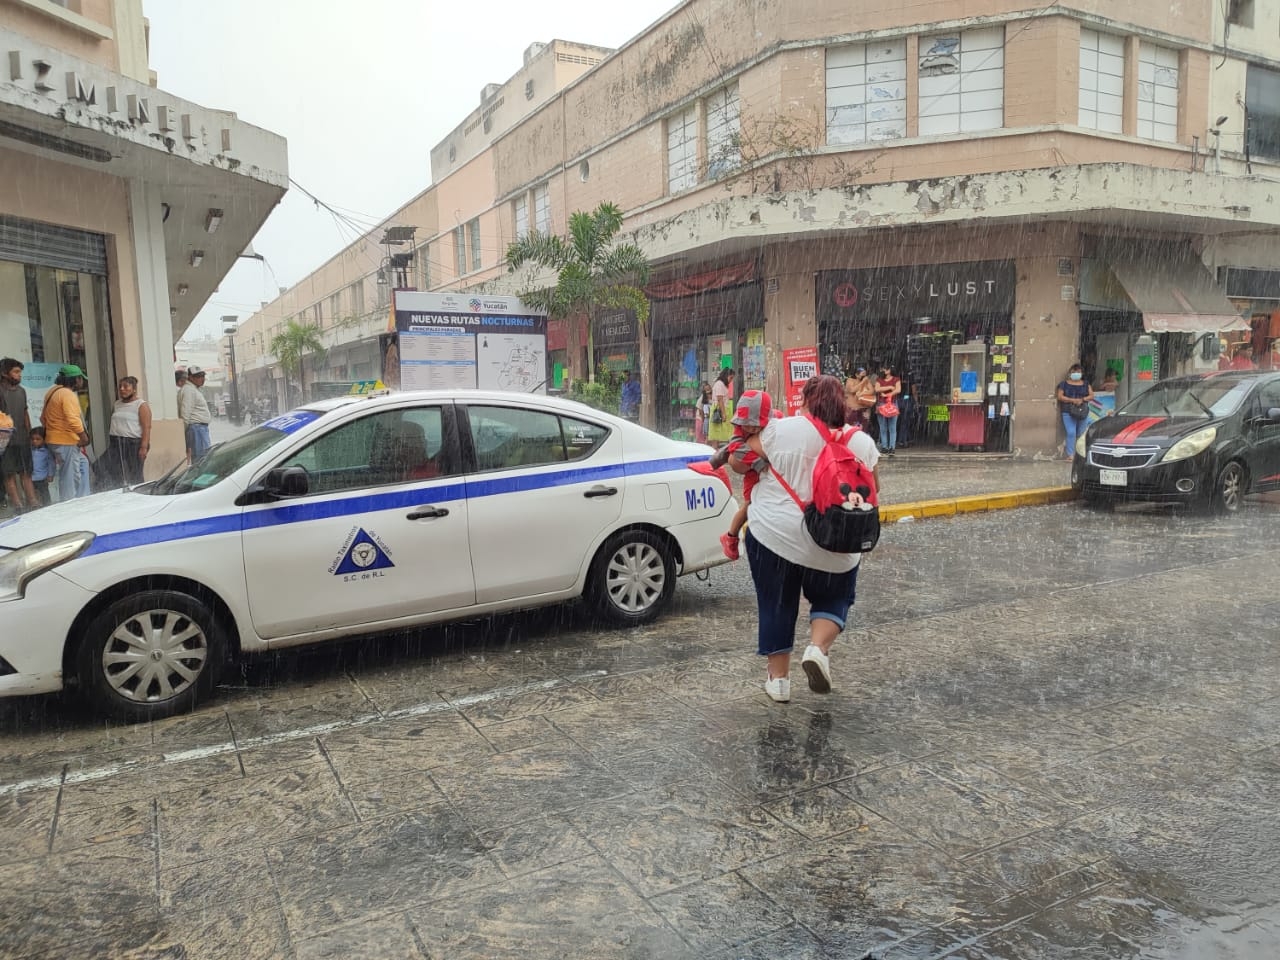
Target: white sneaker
x=779 y=689
x=817 y=667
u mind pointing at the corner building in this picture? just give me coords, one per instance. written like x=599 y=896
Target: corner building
x=1038 y=184
x=121 y=206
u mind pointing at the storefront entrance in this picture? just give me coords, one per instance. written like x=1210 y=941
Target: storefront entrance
x=698 y=335
x=54 y=310
x=945 y=329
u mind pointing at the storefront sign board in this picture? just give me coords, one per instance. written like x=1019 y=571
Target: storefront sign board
x=798 y=364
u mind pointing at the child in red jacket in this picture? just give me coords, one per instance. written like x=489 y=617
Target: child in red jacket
x=750 y=416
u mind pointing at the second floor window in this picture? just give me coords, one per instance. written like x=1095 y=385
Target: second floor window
x=335 y=307
x=1158 y=93
x=1262 y=98
x=521 y=208
x=473 y=235
x=724 y=148
x=962 y=81
x=542 y=209
x=867 y=92
x=1101 y=81
x=422 y=260
x=682 y=150
x=357 y=298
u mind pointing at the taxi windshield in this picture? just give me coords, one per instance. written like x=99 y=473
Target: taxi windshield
x=1206 y=398
x=217 y=464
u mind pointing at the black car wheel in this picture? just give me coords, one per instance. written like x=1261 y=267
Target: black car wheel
x=1227 y=493
x=632 y=578
x=150 y=655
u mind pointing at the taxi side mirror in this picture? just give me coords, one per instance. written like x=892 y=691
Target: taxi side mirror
x=286 y=482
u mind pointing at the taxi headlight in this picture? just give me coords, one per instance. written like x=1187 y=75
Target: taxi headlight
x=1080 y=447
x=1198 y=442
x=21 y=566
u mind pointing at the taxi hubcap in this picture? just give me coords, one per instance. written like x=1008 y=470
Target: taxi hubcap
x=1231 y=488
x=636 y=577
x=154 y=655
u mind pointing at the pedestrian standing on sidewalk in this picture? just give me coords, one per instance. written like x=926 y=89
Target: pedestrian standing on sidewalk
x=785 y=562
x=1074 y=394
x=193 y=411
x=15 y=461
x=859 y=397
x=65 y=434
x=42 y=469
x=887 y=389
x=129 y=441
x=721 y=430
x=702 y=415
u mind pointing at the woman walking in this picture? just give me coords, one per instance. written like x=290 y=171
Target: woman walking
x=785 y=562
x=1074 y=394
x=721 y=430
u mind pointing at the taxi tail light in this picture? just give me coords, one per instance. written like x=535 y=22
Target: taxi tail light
x=704 y=467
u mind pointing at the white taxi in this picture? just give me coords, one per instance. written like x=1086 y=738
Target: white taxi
x=350 y=516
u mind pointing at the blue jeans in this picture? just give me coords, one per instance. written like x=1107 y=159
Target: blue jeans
x=888 y=431
x=70 y=471
x=198 y=441
x=779 y=583
x=1074 y=428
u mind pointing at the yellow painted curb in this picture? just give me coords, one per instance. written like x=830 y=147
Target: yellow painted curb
x=979 y=503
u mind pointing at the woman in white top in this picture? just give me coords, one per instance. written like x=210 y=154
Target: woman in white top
x=130 y=433
x=785 y=562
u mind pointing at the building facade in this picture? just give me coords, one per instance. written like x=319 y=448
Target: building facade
x=1033 y=185
x=121 y=206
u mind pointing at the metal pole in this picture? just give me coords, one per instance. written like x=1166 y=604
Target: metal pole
x=235 y=381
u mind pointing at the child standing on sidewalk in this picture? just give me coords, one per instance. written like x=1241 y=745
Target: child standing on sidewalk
x=41 y=465
x=752 y=413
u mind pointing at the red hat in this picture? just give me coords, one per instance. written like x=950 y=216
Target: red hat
x=753 y=409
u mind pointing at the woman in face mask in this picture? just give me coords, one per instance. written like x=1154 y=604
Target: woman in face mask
x=1074 y=394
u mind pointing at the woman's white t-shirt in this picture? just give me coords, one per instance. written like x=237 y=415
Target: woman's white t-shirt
x=792 y=446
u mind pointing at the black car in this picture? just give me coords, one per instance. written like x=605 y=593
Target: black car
x=1205 y=440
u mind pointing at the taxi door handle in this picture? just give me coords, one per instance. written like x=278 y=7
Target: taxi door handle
x=427 y=513
x=599 y=491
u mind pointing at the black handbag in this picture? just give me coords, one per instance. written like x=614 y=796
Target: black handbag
x=1078 y=410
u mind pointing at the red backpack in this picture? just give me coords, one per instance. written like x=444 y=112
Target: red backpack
x=833 y=522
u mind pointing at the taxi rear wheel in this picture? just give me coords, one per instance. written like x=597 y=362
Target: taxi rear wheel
x=151 y=654
x=632 y=578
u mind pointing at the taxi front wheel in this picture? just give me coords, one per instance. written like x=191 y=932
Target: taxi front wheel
x=632 y=578
x=150 y=655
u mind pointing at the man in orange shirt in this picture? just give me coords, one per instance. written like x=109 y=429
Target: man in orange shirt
x=65 y=434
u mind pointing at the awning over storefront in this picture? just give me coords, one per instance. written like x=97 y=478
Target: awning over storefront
x=1175 y=294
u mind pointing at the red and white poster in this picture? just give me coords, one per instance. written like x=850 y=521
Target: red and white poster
x=798 y=365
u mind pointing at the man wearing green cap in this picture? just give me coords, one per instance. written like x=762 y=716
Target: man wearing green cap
x=65 y=435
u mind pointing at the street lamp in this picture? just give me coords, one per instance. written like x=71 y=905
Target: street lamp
x=229 y=326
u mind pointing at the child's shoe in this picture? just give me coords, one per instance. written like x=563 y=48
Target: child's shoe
x=729 y=543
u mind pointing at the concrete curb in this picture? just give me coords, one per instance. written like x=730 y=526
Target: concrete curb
x=978 y=503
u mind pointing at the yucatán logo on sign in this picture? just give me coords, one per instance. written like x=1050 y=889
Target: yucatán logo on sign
x=363 y=557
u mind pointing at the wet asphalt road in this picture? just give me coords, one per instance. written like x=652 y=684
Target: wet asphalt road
x=1053 y=733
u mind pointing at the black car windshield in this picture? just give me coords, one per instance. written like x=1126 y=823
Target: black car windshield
x=1209 y=397
x=217 y=464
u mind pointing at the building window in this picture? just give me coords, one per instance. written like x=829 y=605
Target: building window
x=521 y=208
x=724 y=147
x=542 y=209
x=1101 y=81
x=422 y=259
x=1240 y=13
x=460 y=250
x=473 y=235
x=317 y=318
x=867 y=92
x=1262 y=101
x=335 y=307
x=357 y=298
x=962 y=82
x=1158 y=93
x=682 y=150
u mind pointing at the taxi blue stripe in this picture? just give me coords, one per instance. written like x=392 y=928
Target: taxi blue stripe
x=301 y=512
